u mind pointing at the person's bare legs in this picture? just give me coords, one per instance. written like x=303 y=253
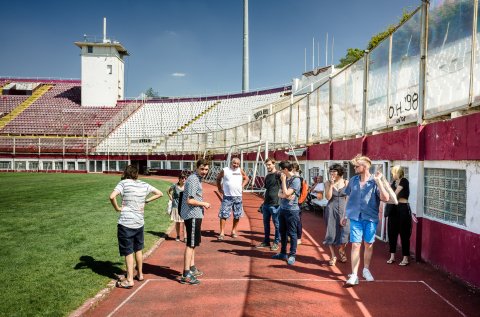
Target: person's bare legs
x=332 y=251
x=392 y=258
x=222 y=226
x=177 y=229
x=139 y=260
x=235 y=224
x=355 y=255
x=129 y=264
x=192 y=259
x=367 y=255
x=189 y=258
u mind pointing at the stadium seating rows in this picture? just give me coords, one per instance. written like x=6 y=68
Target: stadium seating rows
x=149 y=127
x=60 y=111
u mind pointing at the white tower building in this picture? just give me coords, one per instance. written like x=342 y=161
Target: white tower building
x=103 y=71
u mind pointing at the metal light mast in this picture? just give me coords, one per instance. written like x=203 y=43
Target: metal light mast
x=245 y=74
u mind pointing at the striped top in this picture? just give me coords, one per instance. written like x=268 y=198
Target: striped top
x=133 y=194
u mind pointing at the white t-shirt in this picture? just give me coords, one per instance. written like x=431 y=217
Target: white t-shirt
x=133 y=194
x=232 y=182
x=320 y=187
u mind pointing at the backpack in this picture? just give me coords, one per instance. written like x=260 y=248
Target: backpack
x=303 y=191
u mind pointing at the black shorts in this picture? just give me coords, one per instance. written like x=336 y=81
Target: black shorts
x=194 y=236
x=129 y=240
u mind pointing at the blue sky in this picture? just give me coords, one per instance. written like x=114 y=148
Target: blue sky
x=189 y=47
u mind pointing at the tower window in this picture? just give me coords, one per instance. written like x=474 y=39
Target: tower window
x=109 y=69
x=90 y=49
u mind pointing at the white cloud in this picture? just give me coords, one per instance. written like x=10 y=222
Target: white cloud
x=179 y=75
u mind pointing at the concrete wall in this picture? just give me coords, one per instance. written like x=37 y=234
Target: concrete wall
x=99 y=87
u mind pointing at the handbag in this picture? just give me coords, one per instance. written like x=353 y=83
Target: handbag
x=392 y=196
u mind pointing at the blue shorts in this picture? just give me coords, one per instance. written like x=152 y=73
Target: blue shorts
x=362 y=230
x=229 y=203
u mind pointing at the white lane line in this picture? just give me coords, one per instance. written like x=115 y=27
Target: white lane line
x=354 y=295
x=446 y=301
x=247 y=279
x=128 y=298
x=350 y=290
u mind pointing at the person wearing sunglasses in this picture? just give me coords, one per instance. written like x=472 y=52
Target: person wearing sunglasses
x=364 y=193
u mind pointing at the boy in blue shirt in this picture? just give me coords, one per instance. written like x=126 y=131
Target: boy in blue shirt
x=288 y=214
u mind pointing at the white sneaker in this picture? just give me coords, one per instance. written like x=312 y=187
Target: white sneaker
x=352 y=280
x=299 y=241
x=367 y=275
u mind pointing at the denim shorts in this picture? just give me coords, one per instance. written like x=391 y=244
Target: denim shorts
x=229 y=203
x=362 y=230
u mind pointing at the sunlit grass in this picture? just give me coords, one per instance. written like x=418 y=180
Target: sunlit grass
x=59 y=244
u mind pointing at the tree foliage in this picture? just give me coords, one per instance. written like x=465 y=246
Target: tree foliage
x=353 y=55
x=151 y=94
x=377 y=38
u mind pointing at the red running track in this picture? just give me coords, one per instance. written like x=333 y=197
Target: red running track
x=240 y=280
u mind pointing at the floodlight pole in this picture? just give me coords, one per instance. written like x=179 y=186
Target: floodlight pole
x=245 y=77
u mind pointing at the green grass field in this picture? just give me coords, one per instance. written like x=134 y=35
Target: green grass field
x=59 y=244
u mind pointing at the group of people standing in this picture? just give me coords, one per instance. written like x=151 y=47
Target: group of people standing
x=352 y=211
x=282 y=190
x=187 y=207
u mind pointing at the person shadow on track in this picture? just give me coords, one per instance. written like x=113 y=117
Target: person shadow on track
x=161 y=271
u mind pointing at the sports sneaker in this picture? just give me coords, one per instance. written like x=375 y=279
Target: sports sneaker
x=299 y=241
x=367 y=275
x=274 y=247
x=291 y=260
x=197 y=272
x=177 y=238
x=189 y=279
x=352 y=280
x=280 y=256
x=263 y=245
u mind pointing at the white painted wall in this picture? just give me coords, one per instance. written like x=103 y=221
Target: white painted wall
x=99 y=87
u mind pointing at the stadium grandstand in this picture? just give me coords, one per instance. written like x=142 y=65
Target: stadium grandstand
x=411 y=101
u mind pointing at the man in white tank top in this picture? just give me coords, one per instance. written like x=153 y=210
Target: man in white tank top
x=234 y=180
